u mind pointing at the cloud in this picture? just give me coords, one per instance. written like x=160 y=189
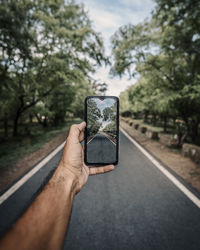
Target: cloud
x=104 y=19
x=137 y=4
x=104 y=22
x=115 y=85
x=107 y=17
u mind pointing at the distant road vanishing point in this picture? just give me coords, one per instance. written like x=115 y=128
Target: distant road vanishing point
x=101 y=149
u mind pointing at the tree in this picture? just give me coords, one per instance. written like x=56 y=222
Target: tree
x=180 y=24
x=99 y=88
x=93 y=116
x=125 y=108
x=109 y=113
x=82 y=90
x=55 y=47
x=109 y=117
x=15 y=41
x=164 y=52
x=111 y=130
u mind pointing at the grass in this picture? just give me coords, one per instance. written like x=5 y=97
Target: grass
x=157 y=128
x=14 y=148
x=148 y=126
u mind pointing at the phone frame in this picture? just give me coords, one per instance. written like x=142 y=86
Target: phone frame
x=85 y=134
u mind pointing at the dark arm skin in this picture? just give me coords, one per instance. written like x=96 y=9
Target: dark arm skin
x=44 y=224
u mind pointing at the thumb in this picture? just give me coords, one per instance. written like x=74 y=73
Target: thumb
x=76 y=130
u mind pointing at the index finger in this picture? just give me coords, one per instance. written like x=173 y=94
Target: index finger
x=101 y=170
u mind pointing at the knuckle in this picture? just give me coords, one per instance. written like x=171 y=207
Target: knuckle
x=99 y=170
x=74 y=126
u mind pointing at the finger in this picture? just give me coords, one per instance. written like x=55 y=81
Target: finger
x=101 y=170
x=81 y=136
x=76 y=130
x=81 y=126
x=83 y=148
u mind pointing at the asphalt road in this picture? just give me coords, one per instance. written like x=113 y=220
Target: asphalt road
x=134 y=207
x=101 y=150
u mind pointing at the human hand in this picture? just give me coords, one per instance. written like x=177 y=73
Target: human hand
x=72 y=159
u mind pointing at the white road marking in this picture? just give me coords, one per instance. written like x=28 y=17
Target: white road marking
x=27 y=176
x=91 y=139
x=176 y=182
x=173 y=179
x=109 y=139
x=104 y=135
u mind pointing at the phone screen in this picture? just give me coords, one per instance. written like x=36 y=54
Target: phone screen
x=102 y=130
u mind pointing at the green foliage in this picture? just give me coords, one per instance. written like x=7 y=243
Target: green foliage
x=101 y=120
x=109 y=113
x=125 y=107
x=48 y=49
x=82 y=90
x=16 y=148
x=111 y=130
x=164 y=53
x=93 y=116
x=99 y=87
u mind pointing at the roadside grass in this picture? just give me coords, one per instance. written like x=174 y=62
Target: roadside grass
x=172 y=129
x=14 y=148
x=156 y=128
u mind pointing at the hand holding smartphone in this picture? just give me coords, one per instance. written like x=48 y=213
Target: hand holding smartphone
x=102 y=130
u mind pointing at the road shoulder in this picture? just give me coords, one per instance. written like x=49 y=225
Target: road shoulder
x=182 y=166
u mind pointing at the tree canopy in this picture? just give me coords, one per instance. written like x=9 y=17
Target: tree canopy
x=163 y=54
x=94 y=117
x=48 y=50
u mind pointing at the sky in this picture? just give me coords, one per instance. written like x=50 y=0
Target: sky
x=107 y=17
x=101 y=104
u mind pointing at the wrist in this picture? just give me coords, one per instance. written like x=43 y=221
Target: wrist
x=68 y=179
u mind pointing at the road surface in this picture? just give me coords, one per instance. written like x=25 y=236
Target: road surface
x=101 y=149
x=135 y=207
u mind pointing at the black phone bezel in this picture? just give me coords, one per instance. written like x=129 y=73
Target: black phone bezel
x=85 y=134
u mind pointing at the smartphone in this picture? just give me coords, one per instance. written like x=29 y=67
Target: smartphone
x=102 y=130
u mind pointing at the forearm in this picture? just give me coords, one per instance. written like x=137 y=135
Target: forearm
x=44 y=224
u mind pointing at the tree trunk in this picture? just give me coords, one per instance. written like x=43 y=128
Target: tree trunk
x=5 y=126
x=165 y=124
x=135 y=115
x=31 y=118
x=194 y=131
x=174 y=121
x=40 y=121
x=154 y=119
x=181 y=139
x=44 y=123
x=146 y=116
x=15 y=124
x=38 y=118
